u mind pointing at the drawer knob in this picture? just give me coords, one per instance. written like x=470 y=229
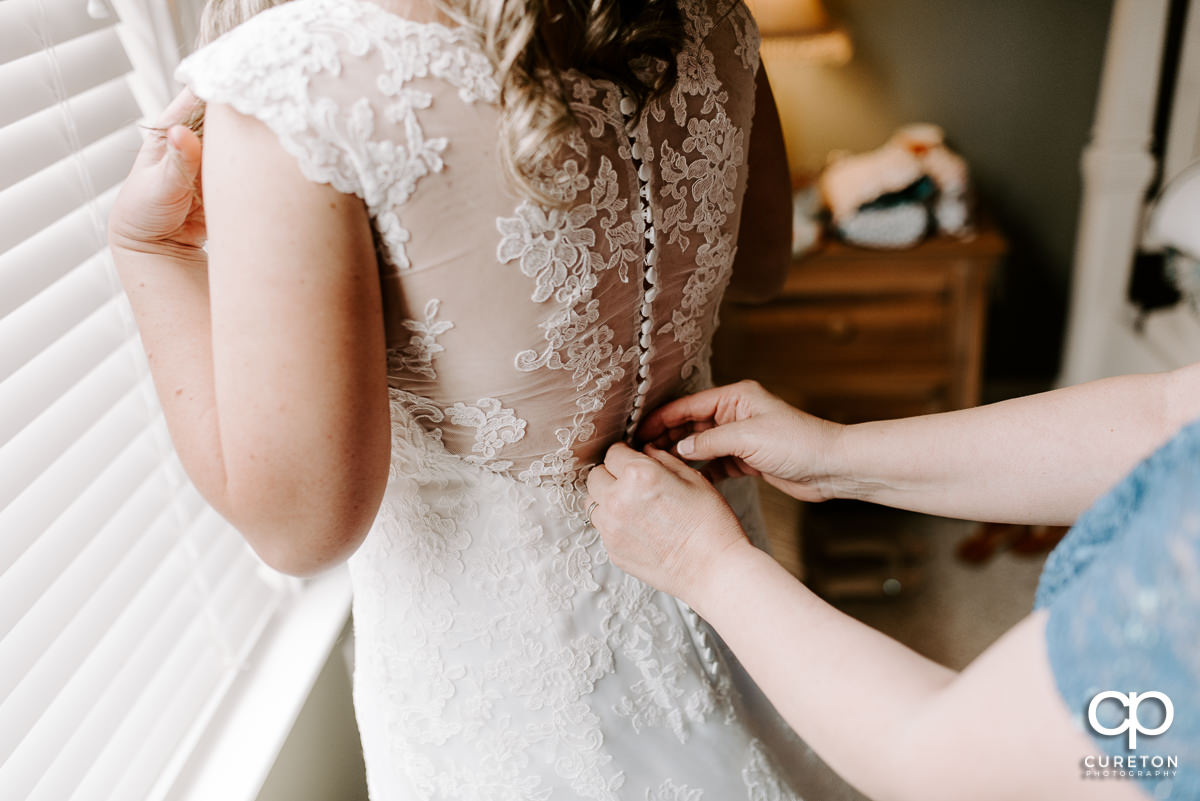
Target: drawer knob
x=840 y=329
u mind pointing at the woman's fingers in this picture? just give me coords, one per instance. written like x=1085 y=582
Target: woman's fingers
x=619 y=457
x=727 y=467
x=681 y=413
x=672 y=464
x=659 y=519
x=732 y=439
x=599 y=483
x=182 y=164
x=711 y=407
x=178 y=109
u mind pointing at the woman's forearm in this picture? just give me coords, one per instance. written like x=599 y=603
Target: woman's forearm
x=269 y=360
x=848 y=690
x=169 y=298
x=1038 y=459
x=294 y=529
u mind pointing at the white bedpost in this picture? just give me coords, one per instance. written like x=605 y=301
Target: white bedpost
x=1117 y=169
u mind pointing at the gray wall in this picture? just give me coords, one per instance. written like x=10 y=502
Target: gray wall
x=1014 y=83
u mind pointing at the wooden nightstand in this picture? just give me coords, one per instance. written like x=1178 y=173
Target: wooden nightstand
x=867 y=335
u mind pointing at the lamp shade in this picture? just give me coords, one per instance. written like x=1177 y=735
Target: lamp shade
x=790 y=17
x=800 y=30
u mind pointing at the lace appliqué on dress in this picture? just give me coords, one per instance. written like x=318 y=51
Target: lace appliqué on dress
x=749 y=40
x=417 y=356
x=709 y=180
x=556 y=250
x=656 y=642
x=343 y=146
x=762 y=781
x=494 y=427
x=670 y=791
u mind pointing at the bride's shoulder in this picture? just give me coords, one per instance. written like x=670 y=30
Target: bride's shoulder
x=310 y=36
x=414 y=10
x=285 y=21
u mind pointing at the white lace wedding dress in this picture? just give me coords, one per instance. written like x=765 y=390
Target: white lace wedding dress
x=499 y=655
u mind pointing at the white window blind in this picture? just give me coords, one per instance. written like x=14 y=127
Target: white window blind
x=127 y=606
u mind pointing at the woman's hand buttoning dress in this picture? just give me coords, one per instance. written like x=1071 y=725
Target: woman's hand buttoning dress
x=390 y=216
x=1092 y=696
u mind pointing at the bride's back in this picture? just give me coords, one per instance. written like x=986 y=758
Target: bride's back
x=527 y=337
x=498 y=652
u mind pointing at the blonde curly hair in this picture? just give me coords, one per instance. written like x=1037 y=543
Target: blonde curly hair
x=630 y=42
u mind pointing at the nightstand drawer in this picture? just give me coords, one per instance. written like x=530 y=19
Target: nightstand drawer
x=799 y=335
x=859 y=334
x=853 y=394
x=850 y=395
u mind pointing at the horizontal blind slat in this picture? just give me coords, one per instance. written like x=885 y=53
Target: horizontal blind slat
x=40 y=80
x=39 y=201
x=62 y=422
x=34 y=327
x=29 y=26
x=74 y=358
x=151 y=726
x=111 y=683
x=42 y=259
x=41 y=589
x=194 y=671
x=56 y=133
x=181 y=711
x=188 y=500
x=60 y=473
x=261 y=601
x=112 y=669
x=215 y=552
x=40 y=660
x=33 y=679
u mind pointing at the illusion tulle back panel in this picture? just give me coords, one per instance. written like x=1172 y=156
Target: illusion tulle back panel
x=518 y=331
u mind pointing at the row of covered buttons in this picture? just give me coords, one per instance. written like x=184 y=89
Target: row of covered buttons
x=650 y=273
x=704 y=643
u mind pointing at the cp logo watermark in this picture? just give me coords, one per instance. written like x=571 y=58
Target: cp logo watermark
x=1132 y=723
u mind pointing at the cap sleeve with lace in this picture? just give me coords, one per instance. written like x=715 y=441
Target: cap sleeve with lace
x=343 y=84
x=265 y=68
x=1123 y=593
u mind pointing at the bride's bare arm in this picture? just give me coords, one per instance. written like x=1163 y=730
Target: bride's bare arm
x=765 y=232
x=299 y=371
x=272 y=371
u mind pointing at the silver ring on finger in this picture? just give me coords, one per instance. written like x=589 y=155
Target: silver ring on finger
x=587 y=518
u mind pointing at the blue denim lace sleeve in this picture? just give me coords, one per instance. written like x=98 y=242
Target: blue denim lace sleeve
x=1123 y=594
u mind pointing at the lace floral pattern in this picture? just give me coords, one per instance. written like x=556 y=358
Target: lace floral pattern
x=417 y=356
x=709 y=180
x=748 y=39
x=761 y=778
x=645 y=634
x=557 y=251
x=500 y=656
x=345 y=150
x=494 y=427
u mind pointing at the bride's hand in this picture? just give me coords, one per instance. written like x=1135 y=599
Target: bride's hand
x=741 y=429
x=661 y=520
x=160 y=208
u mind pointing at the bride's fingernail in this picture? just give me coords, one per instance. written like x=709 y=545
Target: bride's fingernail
x=686 y=446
